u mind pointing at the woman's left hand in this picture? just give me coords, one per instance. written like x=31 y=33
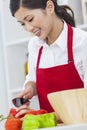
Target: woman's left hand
x=22 y=110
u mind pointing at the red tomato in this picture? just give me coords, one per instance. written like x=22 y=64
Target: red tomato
x=13 y=113
x=13 y=124
x=37 y=112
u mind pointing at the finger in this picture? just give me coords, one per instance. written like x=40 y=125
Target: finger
x=25 y=106
x=23 y=111
x=27 y=103
x=27 y=96
x=23 y=93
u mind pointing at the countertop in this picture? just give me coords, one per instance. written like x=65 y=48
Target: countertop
x=68 y=127
x=60 y=127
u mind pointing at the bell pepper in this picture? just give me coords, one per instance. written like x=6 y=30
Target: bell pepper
x=13 y=124
x=48 y=120
x=31 y=122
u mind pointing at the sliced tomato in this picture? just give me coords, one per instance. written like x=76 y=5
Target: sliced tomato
x=37 y=112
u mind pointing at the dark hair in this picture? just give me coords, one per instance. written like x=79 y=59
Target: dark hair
x=63 y=11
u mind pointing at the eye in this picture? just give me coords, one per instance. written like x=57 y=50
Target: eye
x=30 y=20
x=22 y=24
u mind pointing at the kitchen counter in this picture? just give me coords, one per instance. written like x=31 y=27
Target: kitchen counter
x=60 y=127
x=68 y=127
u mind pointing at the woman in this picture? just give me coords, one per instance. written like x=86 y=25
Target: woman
x=57 y=53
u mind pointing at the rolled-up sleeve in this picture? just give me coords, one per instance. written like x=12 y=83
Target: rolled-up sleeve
x=32 y=58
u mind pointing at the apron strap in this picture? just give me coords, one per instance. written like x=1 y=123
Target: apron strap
x=39 y=55
x=69 y=43
x=69 y=46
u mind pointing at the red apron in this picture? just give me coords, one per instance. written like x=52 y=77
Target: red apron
x=57 y=78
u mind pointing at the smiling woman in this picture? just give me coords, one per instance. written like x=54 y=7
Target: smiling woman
x=38 y=17
x=56 y=53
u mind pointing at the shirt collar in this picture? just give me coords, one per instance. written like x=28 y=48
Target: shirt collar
x=62 y=39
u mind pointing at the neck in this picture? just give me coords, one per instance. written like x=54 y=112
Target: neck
x=55 y=32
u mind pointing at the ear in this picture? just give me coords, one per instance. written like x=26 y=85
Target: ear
x=50 y=7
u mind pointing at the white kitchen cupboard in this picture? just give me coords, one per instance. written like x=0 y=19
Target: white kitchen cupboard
x=13 y=44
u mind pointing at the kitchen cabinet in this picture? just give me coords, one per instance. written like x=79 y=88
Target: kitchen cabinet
x=13 y=44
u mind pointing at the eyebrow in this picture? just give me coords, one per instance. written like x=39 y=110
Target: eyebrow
x=24 y=18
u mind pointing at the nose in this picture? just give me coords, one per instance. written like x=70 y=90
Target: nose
x=28 y=27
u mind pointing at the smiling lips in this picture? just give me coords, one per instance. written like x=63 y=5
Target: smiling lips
x=37 y=33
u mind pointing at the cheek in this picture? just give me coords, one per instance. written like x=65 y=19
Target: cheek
x=24 y=27
x=40 y=20
x=47 y=26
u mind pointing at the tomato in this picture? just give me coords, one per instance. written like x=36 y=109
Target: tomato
x=13 y=124
x=13 y=113
x=37 y=112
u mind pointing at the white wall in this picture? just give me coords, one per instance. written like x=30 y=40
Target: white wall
x=16 y=31
x=3 y=97
x=76 y=7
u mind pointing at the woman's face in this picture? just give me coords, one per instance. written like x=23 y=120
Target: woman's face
x=37 y=21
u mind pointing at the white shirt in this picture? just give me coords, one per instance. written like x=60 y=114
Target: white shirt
x=56 y=54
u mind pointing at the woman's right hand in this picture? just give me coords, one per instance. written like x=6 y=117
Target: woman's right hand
x=29 y=91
